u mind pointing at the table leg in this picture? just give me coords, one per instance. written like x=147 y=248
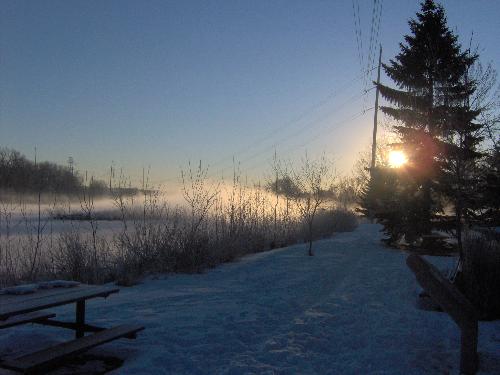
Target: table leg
x=80 y=319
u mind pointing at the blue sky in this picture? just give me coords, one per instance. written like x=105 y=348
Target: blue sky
x=158 y=83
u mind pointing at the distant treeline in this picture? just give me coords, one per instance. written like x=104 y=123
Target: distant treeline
x=21 y=175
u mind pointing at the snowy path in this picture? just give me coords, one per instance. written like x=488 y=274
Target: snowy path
x=347 y=310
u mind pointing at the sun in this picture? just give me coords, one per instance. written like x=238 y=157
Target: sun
x=397 y=159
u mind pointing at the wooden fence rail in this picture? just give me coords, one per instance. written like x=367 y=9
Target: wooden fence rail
x=453 y=302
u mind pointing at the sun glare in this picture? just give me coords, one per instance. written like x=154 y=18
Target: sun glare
x=397 y=159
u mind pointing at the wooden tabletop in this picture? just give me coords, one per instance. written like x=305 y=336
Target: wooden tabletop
x=11 y=305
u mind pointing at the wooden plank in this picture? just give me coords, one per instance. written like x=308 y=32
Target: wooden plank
x=50 y=357
x=455 y=304
x=73 y=326
x=26 y=318
x=41 y=293
x=70 y=325
x=442 y=291
x=22 y=305
x=4 y=371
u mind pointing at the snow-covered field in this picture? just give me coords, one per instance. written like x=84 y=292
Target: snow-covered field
x=348 y=310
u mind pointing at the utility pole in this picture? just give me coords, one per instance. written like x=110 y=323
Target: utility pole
x=374 y=144
x=110 y=175
x=71 y=163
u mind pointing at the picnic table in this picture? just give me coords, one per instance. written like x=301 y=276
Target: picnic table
x=16 y=309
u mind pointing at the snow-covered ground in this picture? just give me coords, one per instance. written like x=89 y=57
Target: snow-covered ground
x=350 y=309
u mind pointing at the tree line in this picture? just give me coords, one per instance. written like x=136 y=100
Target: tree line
x=21 y=175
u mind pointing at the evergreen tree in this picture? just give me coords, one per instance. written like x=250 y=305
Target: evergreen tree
x=393 y=197
x=489 y=186
x=459 y=173
x=434 y=123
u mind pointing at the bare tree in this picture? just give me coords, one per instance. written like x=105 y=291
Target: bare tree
x=486 y=100
x=310 y=182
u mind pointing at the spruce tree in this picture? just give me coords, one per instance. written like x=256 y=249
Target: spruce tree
x=461 y=138
x=434 y=123
x=393 y=198
x=489 y=186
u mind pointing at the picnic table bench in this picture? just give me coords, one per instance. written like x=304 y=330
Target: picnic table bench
x=30 y=308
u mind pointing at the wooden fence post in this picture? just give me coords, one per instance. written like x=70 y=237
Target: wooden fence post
x=454 y=303
x=468 y=349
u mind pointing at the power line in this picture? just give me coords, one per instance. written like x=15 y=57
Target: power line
x=266 y=149
x=297 y=132
x=372 y=41
x=358 y=33
x=323 y=133
x=316 y=136
x=355 y=116
x=297 y=119
x=374 y=37
x=372 y=32
x=381 y=2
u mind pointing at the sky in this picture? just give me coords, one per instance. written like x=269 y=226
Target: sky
x=155 y=84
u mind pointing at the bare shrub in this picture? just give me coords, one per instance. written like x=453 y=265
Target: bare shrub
x=343 y=220
x=72 y=259
x=330 y=221
x=200 y=196
x=88 y=211
x=147 y=242
x=8 y=264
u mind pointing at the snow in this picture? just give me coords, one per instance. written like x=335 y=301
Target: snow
x=350 y=309
x=20 y=289
x=57 y=284
x=32 y=288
